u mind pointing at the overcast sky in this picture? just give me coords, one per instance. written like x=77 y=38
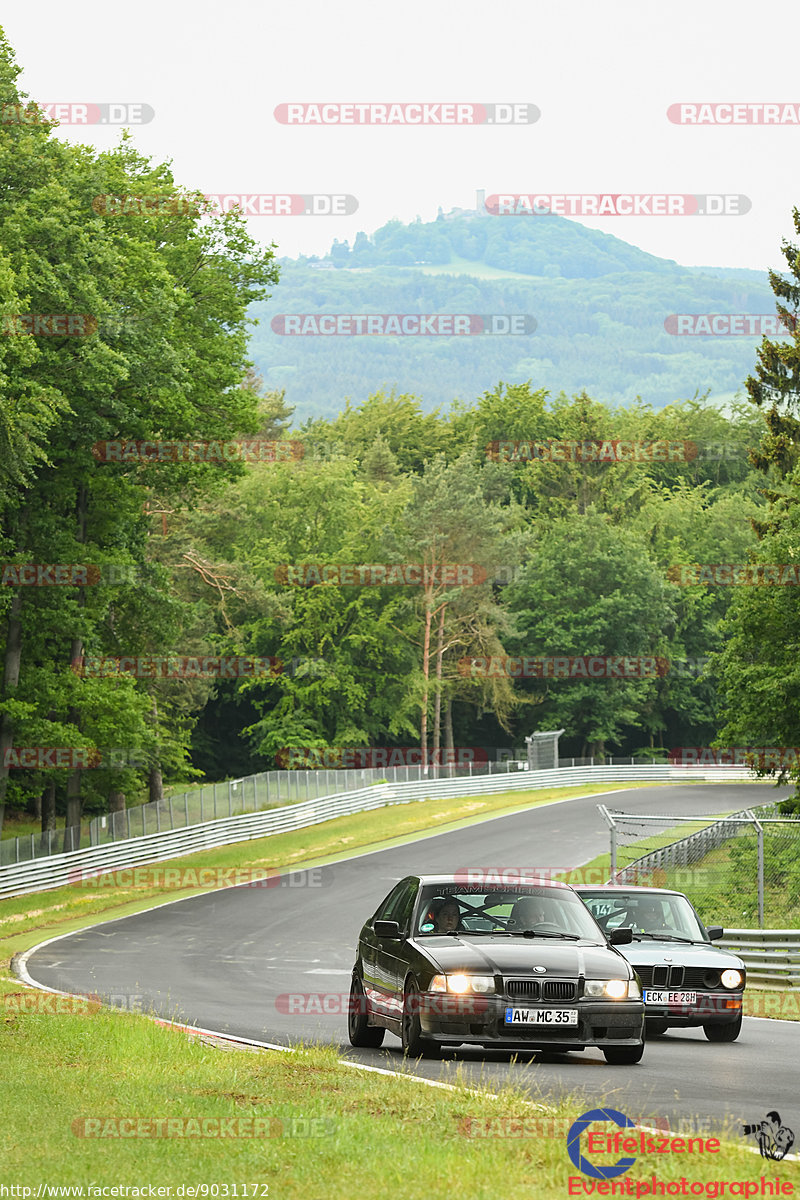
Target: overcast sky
x=602 y=75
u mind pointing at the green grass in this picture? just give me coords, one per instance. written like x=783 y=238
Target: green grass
x=372 y=1134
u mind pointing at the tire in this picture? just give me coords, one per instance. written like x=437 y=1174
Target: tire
x=414 y=1044
x=723 y=1033
x=623 y=1056
x=656 y=1028
x=358 y=1030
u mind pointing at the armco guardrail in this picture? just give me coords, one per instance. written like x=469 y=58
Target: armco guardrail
x=60 y=869
x=770 y=955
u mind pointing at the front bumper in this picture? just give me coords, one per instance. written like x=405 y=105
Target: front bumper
x=480 y=1020
x=722 y=1008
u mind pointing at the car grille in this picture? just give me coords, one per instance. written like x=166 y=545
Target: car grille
x=662 y=976
x=705 y=978
x=546 y=989
x=527 y=988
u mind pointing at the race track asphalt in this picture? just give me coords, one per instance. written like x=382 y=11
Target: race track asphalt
x=222 y=960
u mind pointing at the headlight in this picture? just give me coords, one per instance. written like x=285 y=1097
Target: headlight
x=612 y=989
x=731 y=979
x=461 y=984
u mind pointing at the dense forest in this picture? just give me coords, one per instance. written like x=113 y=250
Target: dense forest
x=199 y=582
x=601 y=310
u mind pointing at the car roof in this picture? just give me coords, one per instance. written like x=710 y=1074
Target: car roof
x=494 y=881
x=616 y=888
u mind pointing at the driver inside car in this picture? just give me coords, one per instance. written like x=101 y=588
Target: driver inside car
x=649 y=917
x=528 y=913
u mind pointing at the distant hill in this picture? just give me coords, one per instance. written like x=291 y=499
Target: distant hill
x=599 y=306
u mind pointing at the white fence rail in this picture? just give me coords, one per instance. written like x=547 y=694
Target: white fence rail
x=770 y=955
x=57 y=870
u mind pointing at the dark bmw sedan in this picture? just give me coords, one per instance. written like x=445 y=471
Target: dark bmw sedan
x=445 y=962
x=685 y=980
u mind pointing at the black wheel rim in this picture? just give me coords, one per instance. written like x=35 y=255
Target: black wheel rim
x=356 y=1007
x=409 y=1019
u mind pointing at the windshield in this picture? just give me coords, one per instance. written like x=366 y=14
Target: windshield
x=656 y=913
x=455 y=908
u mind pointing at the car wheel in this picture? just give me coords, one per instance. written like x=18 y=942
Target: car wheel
x=623 y=1056
x=656 y=1028
x=723 y=1033
x=414 y=1044
x=359 y=1031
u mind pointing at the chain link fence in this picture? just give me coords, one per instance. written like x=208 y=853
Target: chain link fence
x=253 y=793
x=211 y=801
x=741 y=870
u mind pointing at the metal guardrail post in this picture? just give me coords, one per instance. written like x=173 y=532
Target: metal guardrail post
x=612 y=829
x=230 y=797
x=760 y=853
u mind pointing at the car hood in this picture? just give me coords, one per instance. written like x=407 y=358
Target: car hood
x=703 y=954
x=510 y=956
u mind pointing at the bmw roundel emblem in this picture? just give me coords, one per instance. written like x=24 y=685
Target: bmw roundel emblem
x=540 y=970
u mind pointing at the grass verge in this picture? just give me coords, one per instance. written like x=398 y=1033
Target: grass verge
x=292 y=1125
x=88 y=1095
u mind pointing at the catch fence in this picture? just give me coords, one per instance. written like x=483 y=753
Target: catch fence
x=740 y=870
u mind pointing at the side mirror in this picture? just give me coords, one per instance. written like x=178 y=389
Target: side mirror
x=387 y=929
x=621 y=937
x=714 y=932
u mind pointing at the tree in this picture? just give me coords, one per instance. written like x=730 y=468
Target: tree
x=162 y=358
x=760 y=675
x=590 y=589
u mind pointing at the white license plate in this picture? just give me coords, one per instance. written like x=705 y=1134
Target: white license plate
x=664 y=997
x=541 y=1016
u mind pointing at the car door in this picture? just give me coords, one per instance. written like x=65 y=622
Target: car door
x=374 y=984
x=392 y=954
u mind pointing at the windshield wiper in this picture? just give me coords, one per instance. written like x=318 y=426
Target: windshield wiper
x=533 y=933
x=662 y=937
